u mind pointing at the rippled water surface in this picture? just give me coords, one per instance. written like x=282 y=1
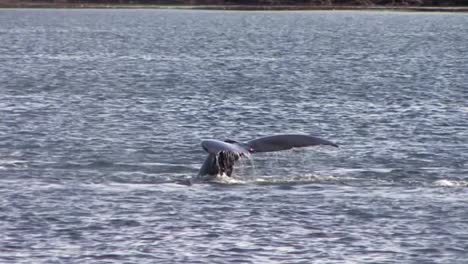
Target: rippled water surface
x=103 y=111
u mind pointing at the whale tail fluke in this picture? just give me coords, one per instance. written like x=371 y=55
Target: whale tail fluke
x=222 y=155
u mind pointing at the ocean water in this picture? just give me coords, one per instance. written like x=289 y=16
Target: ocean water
x=102 y=113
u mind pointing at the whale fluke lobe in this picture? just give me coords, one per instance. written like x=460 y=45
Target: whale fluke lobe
x=214 y=146
x=222 y=155
x=284 y=142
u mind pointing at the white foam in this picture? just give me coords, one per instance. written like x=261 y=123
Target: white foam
x=449 y=183
x=300 y=179
x=343 y=171
x=224 y=179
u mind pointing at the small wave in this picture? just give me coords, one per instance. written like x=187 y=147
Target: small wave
x=100 y=164
x=450 y=183
x=10 y=163
x=119 y=187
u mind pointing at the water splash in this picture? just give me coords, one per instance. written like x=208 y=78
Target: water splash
x=224 y=179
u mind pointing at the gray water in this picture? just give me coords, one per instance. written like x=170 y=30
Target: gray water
x=103 y=111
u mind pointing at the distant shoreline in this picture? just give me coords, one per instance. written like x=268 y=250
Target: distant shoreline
x=236 y=7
